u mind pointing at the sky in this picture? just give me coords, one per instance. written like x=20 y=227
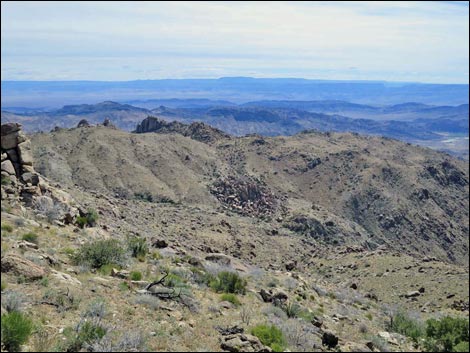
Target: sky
x=119 y=41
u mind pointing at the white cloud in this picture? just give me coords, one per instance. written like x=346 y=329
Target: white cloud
x=225 y=37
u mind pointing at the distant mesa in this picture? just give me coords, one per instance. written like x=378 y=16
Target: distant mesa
x=197 y=130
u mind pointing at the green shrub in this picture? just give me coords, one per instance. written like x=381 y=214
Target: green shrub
x=292 y=310
x=228 y=282
x=447 y=334
x=4 y=286
x=201 y=277
x=85 y=334
x=231 y=298
x=270 y=336
x=16 y=329
x=7 y=227
x=100 y=252
x=461 y=347
x=175 y=281
x=89 y=219
x=407 y=326
x=138 y=247
x=81 y=221
x=124 y=287
x=136 y=276
x=106 y=270
x=6 y=180
x=31 y=237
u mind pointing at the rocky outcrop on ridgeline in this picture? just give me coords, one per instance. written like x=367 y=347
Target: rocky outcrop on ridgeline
x=20 y=181
x=196 y=130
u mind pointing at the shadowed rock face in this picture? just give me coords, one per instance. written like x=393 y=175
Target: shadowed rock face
x=197 y=130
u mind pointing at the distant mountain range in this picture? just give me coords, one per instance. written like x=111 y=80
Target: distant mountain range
x=410 y=122
x=234 y=89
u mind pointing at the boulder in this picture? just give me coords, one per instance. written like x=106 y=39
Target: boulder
x=242 y=343
x=317 y=321
x=12 y=263
x=159 y=243
x=329 y=339
x=31 y=178
x=8 y=168
x=9 y=128
x=65 y=278
x=9 y=141
x=83 y=123
x=24 y=150
x=291 y=265
x=412 y=294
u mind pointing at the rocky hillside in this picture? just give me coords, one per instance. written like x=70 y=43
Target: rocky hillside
x=331 y=188
x=316 y=242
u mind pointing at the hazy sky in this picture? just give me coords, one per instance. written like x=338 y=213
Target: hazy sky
x=395 y=41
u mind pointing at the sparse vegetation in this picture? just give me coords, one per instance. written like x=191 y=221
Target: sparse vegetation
x=89 y=219
x=100 y=252
x=228 y=282
x=270 y=336
x=7 y=228
x=16 y=329
x=138 y=247
x=407 y=326
x=31 y=237
x=231 y=298
x=136 y=276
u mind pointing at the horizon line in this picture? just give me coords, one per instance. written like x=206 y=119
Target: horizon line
x=245 y=77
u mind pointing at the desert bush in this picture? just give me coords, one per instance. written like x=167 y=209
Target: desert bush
x=231 y=298
x=48 y=208
x=60 y=300
x=89 y=219
x=270 y=336
x=228 y=282
x=405 y=325
x=292 y=309
x=148 y=300
x=380 y=344
x=201 y=277
x=96 y=309
x=138 y=247
x=129 y=341
x=98 y=253
x=31 y=237
x=246 y=314
x=447 y=334
x=84 y=335
x=174 y=280
x=7 y=228
x=13 y=301
x=136 y=276
x=16 y=329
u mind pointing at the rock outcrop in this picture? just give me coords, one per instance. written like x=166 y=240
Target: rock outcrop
x=12 y=263
x=197 y=130
x=21 y=182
